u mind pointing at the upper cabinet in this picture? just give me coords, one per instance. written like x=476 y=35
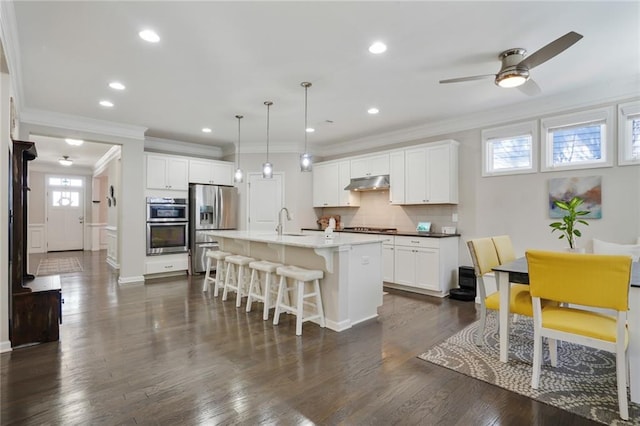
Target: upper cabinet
x=167 y=172
x=396 y=177
x=431 y=174
x=211 y=172
x=329 y=181
x=370 y=165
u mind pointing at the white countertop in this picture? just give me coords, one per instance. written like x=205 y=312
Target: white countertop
x=313 y=240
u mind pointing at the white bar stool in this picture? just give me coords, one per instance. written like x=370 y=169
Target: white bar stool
x=218 y=281
x=235 y=279
x=260 y=289
x=301 y=276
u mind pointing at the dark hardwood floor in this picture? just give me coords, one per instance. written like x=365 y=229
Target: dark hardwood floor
x=165 y=353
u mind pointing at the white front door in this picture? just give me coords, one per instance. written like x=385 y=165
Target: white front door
x=265 y=201
x=65 y=213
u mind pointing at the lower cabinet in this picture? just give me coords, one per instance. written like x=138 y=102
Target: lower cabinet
x=421 y=264
x=166 y=264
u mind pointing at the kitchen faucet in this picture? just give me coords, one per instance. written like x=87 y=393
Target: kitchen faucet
x=280 y=226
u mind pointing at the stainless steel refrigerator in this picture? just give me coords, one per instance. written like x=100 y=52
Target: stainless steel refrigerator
x=210 y=207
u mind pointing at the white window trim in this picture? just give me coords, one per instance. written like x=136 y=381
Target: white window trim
x=624 y=132
x=503 y=132
x=600 y=114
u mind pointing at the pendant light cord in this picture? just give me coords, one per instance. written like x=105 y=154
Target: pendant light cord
x=239 y=117
x=268 y=104
x=305 y=118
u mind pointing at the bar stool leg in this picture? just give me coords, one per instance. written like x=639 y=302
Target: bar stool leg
x=239 y=285
x=281 y=286
x=220 y=269
x=319 y=307
x=255 y=275
x=227 y=278
x=300 y=307
x=205 y=285
x=266 y=294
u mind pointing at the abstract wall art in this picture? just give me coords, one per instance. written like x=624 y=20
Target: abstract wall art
x=589 y=188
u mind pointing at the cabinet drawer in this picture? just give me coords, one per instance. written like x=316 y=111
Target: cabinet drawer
x=417 y=241
x=159 y=266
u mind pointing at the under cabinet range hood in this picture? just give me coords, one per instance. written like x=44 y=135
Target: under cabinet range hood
x=370 y=183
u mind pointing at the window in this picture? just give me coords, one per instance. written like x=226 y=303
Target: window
x=57 y=181
x=629 y=133
x=577 y=141
x=509 y=149
x=65 y=199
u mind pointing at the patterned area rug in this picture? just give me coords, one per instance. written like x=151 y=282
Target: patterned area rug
x=584 y=382
x=58 y=266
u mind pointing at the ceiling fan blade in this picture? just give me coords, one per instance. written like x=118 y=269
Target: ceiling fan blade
x=550 y=50
x=475 y=77
x=530 y=88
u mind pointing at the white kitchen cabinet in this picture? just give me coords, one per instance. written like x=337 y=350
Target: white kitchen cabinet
x=370 y=165
x=167 y=172
x=422 y=264
x=211 y=172
x=166 y=264
x=396 y=177
x=388 y=262
x=431 y=174
x=329 y=181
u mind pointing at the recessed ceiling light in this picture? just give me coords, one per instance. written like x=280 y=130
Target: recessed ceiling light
x=149 y=35
x=206 y=130
x=378 y=47
x=74 y=142
x=116 y=85
x=373 y=111
x=107 y=104
x=310 y=130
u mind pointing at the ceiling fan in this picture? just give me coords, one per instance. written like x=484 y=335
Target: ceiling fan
x=515 y=66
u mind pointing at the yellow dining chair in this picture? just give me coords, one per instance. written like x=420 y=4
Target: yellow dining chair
x=485 y=257
x=595 y=280
x=504 y=248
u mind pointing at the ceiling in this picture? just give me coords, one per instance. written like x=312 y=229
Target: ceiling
x=219 y=59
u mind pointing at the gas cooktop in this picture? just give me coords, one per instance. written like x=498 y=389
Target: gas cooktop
x=369 y=229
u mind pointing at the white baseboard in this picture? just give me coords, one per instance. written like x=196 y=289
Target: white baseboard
x=131 y=280
x=337 y=326
x=113 y=263
x=5 y=346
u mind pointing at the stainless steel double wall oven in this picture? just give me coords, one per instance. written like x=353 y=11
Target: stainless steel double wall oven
x=167 y=225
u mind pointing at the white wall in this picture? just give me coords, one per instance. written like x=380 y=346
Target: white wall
x=5 y=147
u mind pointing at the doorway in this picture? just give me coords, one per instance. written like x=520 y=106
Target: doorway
x=65 y=213
x=265 y=199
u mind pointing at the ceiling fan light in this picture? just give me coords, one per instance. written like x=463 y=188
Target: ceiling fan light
x=64 y=161
x=512 y=78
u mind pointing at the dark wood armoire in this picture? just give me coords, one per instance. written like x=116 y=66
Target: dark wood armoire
x=35 y=311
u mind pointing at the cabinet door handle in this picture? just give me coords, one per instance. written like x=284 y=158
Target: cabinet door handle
x=415 y=242
x=168 y=267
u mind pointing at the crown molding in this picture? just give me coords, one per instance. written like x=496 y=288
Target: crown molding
x=274 y=148
x=81 y=125
x=9 y=35
x=58 y=169
x=531 y=108
x=102 y=164
x=169 y=146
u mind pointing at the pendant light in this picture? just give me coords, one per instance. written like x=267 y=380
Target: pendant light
x=267 y=167
x=237 y=178
x=306 y=161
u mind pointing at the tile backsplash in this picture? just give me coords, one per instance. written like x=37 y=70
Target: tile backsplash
x=376 y=211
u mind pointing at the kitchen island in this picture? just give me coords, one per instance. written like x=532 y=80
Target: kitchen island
x=352 y=265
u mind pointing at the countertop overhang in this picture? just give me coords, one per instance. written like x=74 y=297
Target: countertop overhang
x=314 y=241
x=401 y=233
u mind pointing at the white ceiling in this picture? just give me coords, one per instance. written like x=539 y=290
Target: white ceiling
x=219 y=59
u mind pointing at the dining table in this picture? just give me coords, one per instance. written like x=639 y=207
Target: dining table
x=517 y=272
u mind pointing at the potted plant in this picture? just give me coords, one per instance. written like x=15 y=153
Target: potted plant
x=570 y=220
